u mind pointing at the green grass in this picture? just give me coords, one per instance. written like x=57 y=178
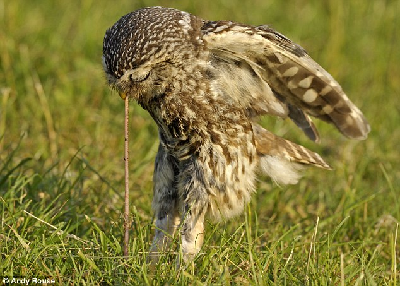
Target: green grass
x=61 y=155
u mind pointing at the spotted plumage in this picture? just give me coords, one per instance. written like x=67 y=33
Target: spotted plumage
x=205 y=83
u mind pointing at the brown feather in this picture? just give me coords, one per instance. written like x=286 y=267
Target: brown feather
x=268 y=143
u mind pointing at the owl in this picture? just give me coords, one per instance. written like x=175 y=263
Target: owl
x=205 y=84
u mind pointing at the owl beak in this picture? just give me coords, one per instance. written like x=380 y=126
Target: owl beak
x=122 y=95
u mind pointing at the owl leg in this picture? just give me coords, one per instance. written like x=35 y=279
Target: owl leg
x=165 y=204
x=194 y=206
x=165 y=230
x=192 y=234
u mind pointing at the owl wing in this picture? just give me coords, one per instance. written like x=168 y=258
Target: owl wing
x=267 y=73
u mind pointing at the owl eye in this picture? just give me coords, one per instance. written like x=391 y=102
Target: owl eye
x=139 y=77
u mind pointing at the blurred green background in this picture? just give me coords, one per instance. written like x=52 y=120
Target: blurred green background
x=61 y=130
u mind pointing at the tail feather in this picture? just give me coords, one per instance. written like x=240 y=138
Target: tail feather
x=269 y=144
x=281 y=159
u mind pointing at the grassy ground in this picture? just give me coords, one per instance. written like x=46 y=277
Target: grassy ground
x=61 y=155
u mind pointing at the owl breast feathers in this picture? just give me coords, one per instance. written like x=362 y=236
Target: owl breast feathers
x=205 y=84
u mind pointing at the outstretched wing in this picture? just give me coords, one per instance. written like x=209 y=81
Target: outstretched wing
x=267 y=73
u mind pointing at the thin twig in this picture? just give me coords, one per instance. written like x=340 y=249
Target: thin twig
x=126 y=156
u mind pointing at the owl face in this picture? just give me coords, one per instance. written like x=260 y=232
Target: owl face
x=143 y=45
x=138 y=83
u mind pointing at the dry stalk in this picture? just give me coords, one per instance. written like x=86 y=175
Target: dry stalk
x=126 y=156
